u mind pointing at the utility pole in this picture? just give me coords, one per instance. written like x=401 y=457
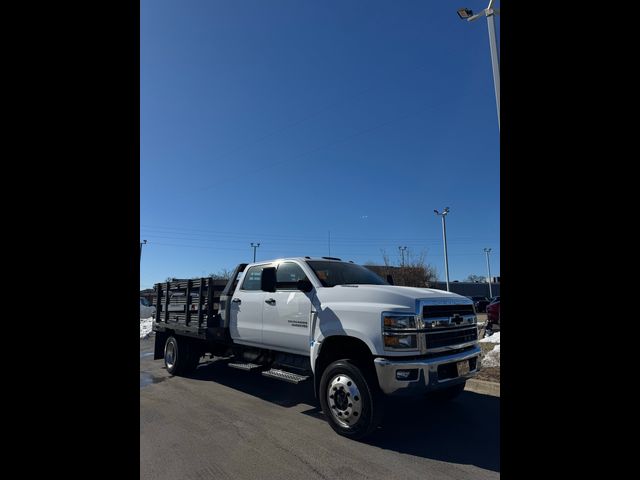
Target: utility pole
x=254 y=246
x=143 y=242
x=486 y=251
x=329 y=242
x=402 y=250
x=444 y=236
x=490 y=13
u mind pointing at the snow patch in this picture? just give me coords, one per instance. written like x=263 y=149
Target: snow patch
x=492 y=359
x=495 y=338
x=145 y=327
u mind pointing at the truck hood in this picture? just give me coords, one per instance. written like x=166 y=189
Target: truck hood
x=389 y=295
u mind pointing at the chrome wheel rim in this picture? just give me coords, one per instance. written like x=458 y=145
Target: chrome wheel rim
x=344 y=400
x=169 y=354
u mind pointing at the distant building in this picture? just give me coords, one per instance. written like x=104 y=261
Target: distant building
x=149 y=294
x=405 y=276
x=467 y=289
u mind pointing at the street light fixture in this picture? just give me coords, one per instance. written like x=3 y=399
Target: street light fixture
x=402 y=250
x=487 y=251
x=465 y=13
x=444 y=236
x=143 y=242
x=489 y=12
x=254 y=246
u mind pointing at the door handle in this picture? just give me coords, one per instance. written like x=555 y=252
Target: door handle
x=236 y=300
x=270 y=301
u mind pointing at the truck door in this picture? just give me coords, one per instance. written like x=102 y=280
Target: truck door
x=245 y=323
x=287 y=311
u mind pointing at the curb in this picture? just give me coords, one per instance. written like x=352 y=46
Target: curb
x=483 y=387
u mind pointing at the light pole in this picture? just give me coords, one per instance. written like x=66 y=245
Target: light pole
x=489 y=12
x=487 y=250
x=143 y=242
x=402 y=250
x=256 y=245
x=444 y=236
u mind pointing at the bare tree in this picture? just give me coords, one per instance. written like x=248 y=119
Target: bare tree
x=417 y=272
x=385 y=257
x=414 y=273
x=222 y=274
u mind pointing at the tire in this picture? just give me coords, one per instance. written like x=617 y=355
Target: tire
x=181 y=357
x=447 y=394
x=356 y=410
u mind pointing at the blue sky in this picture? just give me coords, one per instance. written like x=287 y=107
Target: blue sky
x=280 y=121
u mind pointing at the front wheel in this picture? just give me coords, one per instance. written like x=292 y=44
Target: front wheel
x=351 y=399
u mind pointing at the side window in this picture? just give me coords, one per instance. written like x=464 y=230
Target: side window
x=287 y=276
x=253 y=278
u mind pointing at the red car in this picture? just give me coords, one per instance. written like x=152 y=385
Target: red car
x=493 y=316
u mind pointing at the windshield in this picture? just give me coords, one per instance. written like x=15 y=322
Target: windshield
x=331 y=274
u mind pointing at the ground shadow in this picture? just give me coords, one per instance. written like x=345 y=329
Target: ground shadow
x=253 y=383
x=464 y=431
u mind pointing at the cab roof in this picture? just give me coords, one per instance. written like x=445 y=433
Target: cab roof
x=303 y=259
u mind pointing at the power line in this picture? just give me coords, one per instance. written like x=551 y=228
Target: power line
x=312 y=253
x=382 y=243
x=294 y=237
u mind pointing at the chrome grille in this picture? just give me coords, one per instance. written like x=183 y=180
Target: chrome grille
x=447 y=327
x=451 y=337
x=435 y=311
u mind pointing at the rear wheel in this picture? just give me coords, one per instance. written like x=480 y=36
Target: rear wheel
x=180 y=356
x=351 y=399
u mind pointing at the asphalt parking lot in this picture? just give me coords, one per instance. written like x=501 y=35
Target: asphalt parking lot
x=227 y=424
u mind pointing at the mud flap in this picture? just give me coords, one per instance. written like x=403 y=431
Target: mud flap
x=158 y=347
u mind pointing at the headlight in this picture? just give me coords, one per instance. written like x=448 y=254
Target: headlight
x=400 y=341
x=398 y=331
x=393 y=322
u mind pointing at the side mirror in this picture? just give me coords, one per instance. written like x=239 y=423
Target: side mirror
x=390 y=280
x=268 y=281
x=305 y=286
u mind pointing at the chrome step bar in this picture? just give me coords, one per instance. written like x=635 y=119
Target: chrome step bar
x=248 y=367
x=286 y=376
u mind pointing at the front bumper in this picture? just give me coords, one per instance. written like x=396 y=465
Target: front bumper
x=432 y=373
